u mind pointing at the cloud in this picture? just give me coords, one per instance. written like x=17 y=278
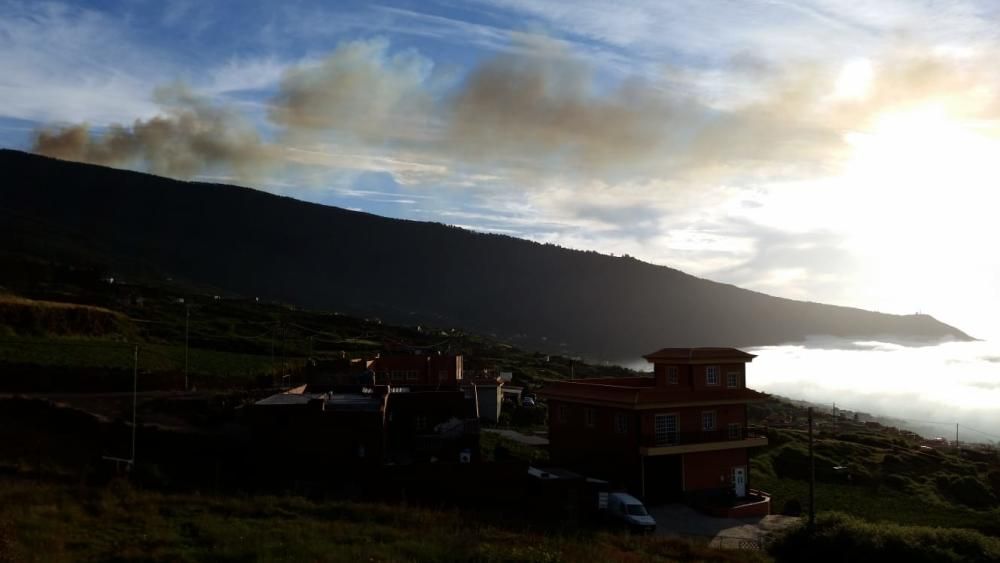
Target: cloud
x=243 y=74
x=191 y=137
x=69 y=63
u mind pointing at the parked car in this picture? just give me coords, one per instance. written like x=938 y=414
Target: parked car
x=626 y=510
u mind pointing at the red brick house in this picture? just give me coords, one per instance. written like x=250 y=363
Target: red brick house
x=681 y=433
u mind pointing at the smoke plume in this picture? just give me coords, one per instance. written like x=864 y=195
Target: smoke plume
x=536 y=111
x=359 y=91
x=192 y=137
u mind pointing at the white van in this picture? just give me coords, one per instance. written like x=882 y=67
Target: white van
x=629 y=511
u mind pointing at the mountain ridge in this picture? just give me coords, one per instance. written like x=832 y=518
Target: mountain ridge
x=254 y=243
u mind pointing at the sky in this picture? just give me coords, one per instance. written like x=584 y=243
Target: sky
x=840 y=152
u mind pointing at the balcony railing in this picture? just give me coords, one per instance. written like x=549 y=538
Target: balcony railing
x=706 y=436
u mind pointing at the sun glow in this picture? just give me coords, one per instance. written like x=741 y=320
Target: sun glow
x=927 y=182
x=855 y=80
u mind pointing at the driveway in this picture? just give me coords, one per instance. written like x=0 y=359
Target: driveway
x=525 y=439
x=678 y=520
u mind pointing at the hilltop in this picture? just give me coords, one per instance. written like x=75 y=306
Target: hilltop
x=240 y=241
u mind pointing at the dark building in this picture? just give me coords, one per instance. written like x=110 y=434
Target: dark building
x=323 y=372
x=431 y=426
x=417 y=369
x=323 y=433
x=313 y=436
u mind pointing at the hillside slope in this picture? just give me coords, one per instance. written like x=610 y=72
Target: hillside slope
x=257 y=244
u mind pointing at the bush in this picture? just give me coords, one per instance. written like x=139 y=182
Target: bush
x=994 y=479
x=839 y=537
x=792 y=508
x=892 y=460
x=966 y=490
x=7 y=542
x=792 y=461
x=898 y=482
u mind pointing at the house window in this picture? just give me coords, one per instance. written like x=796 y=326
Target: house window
x=708 y=421
x=621 y=424
x=396 y=375
x=412 y=375
x=665 y=428
x=563 y=414
x=420 y=423
x=590 y=416
x=732 y=380
x=672 y=375
x=735 y=431
x=712 y=375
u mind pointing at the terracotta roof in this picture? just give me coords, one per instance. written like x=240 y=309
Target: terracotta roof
x=631 y=395
x=699 y=354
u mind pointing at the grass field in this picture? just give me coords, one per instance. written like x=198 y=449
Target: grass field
x=94 y=353
x=48 y=522
x=237 y=338
x=891 y=479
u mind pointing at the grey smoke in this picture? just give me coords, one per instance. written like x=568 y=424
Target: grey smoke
x=191 y=137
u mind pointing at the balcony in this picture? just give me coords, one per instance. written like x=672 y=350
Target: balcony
x=705 y=441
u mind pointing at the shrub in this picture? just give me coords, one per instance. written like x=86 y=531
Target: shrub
x=792 y=461
x=899 y=482
x=967 y=490
x=792 y=508
x=892 y=460
x=6 y=542
x=994 y=479
x=839 y=537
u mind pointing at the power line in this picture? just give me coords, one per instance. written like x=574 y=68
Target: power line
x=994 y=436
x=936 y=422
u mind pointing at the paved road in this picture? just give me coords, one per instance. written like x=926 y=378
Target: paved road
x=518 y=437
x=679 y=520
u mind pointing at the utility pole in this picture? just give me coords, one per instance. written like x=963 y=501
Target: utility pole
x=274 y=335
x=135 y=389
x=812 y=476
x=835 y=417
x=130 y=463
x=187 y=321
x=958 y=448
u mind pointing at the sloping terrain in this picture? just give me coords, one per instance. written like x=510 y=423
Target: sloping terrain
x=255 y=244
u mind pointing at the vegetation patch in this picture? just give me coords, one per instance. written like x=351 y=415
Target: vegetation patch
x=119 y=523
x=838 y=537
x=28 y=317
